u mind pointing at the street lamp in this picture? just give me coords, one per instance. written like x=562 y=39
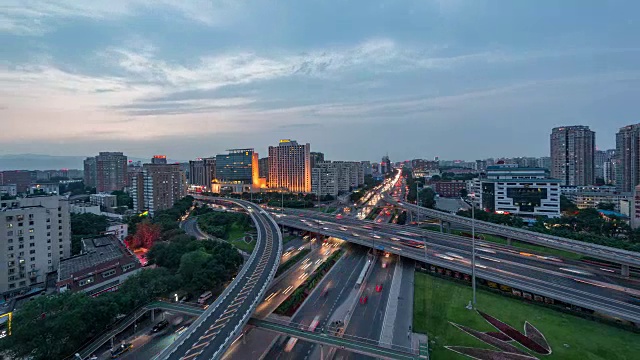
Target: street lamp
x=473 y=248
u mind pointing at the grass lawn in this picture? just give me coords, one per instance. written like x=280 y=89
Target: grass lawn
x=236 y=238
x=437 y=301
x=517 y=244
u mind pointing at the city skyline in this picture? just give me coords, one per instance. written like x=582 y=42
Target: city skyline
x=147 y=77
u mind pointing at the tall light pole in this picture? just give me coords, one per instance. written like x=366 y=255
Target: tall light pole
x=473 y=248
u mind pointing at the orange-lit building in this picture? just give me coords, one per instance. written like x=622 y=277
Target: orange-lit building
x=290 y=166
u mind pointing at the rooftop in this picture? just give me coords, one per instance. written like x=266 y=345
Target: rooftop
x=95 y=251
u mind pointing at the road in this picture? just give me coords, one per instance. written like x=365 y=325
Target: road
x=190 y=226
x=214 y=331
x=367 y=320
x=340 y=281
x=560 y=279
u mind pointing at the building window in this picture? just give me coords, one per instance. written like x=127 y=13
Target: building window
x=32 y=244
x=9 y=226
x=108 y=273
x=128 y=267
x=10 y=248
x=33 y=259
x=85 y=282
x=32 y=251
x=10 y=233
x=31 y=230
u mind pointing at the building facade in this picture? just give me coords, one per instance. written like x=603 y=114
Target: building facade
x=90 y=172
x=158 y=187
x=290 y=166
x=35 y=236
x=573 y=154
x=238 y=166
x=316 y=157
x=111 y=171
x=627 y=167
x=9 y=190
x=526 y=192
x=449 y=189
x=202 y=172
x=20 y=178
x=324 y=180
x=105 y=201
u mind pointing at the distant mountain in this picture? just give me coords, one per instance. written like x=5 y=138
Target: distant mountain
x=48 y=162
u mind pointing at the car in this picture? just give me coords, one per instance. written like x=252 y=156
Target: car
x=384 y=265
x=160 y=326
x=363 y=299
x=379 y=288
x=123 y=348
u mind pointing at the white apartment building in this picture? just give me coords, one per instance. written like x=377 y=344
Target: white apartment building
x=35 y=234
x=9 y=189
x=324 y=180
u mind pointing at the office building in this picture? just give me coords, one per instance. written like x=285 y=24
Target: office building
x=627 y=159
x=20 y=178
x=348 y=174
x=35 y=236
x=158 y=187
x=202 y=172
x=572 y=155
x=366 y=168
x=600 y=159
x=528 y=192
x=238 y=166
x=102 y=266
x=385 y=165
x=110 y=171
x=290 y=166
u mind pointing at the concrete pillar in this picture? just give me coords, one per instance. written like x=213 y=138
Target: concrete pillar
x=509 y=241
x=244 y=338
x=321 y=352
x=441 y=229
x=625 y=270
x=449 y=227
x=153 y=316
x=112 y=342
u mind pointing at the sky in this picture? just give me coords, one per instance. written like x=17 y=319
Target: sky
x=356 y=79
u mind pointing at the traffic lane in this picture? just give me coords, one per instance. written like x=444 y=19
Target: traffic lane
x=483 y=249
x=340 y=281
x=277 y=294
x=598 y=293
x=212 y=347
x=367 y=320
x=404 y=316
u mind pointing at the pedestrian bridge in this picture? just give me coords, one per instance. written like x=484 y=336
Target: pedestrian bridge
x=317 y=337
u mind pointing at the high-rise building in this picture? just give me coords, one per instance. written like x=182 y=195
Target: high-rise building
x=572 y=155
x=35 y=236
x=161 y=185
x=238 y=166
x=290 y=166
x=263 y=167
x=202 y=172
x=316 y=157
x=90 y=172
x=111 y=171
x=159 y=159
x=610 y=167
x=349 y=174
x=627 y=163
x=366 y=167
x=385 y=165
x=21 y=178
x=598 y=167
x=324 y=180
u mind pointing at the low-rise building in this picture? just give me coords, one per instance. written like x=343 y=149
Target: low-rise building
x=119 y=229
x=9 y=189
x=83 y=208
x=102 y=266
x=45 y=188
x=104 y=200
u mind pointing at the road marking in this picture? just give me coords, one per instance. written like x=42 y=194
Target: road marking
x=199 y=346
x=229 y=311
x=191 y=356
x=212 y=327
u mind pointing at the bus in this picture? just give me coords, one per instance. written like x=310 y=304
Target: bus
x=204 y=297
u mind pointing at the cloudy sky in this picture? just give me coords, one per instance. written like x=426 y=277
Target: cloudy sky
x=357 y=79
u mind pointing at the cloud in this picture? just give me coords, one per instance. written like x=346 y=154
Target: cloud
x=36 y=17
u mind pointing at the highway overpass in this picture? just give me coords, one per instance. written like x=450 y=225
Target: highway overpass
x=541 y=275
x=212 y=333
x=618 y=256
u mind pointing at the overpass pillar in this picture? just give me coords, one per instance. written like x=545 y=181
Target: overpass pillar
x=441 y=229
x=624 y=270
x=153 y=315
x=449 y=227
x=509 y=241
x=321 y=352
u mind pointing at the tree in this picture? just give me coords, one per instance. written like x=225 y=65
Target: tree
x=84 y=226
x=123 y=199
x=606 y=206
x=567 y=205
x=463 y=193
x=146 y=234
x=436 y=178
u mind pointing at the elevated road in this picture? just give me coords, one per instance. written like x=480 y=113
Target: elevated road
x=541 y=275
x=618 y=256
x=222 y=322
